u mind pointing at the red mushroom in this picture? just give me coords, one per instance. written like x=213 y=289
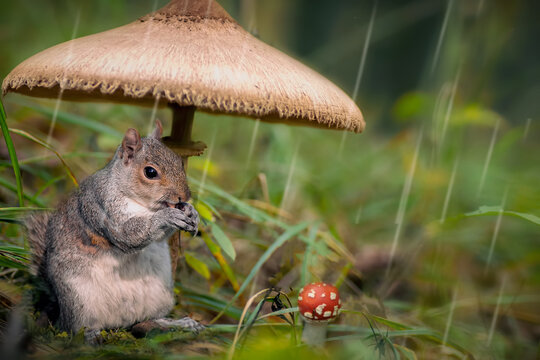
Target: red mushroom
x=318 y=304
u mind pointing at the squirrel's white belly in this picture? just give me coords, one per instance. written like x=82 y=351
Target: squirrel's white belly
x=119 y=291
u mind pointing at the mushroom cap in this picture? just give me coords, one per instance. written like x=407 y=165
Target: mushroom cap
x=190 y=52
x=319 y=302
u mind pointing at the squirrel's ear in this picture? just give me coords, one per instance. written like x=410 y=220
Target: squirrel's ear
x=130 y=145
x=158 y=131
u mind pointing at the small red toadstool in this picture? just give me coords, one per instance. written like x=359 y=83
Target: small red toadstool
x=318 y=303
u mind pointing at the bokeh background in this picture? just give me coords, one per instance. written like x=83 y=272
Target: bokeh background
x=430 y=218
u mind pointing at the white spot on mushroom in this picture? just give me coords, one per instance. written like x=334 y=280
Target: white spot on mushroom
x=327 y=314
x=339 y=302
x=324 y=284
x=308 y=315
x=302 y=289
x=323 y=295
x=311 y=294
x=299 y=298
x=319 y=309
x=333 y=296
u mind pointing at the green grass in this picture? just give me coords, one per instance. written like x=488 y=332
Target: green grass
x=12 y=154
x=218 y=276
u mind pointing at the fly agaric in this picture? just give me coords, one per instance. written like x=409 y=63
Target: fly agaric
x=188 y=55
x=318 y=304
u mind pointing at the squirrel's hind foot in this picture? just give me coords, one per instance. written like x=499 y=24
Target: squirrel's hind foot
x=93 y=337
x=185 y=323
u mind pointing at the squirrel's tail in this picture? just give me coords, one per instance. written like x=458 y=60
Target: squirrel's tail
x=36 y=226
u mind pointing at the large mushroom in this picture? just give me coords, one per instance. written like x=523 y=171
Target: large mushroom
x=187 y=55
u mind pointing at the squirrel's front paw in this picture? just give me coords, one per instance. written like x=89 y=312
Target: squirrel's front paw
x=185 y=218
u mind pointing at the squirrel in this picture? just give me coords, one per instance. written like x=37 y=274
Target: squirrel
x=103 y=253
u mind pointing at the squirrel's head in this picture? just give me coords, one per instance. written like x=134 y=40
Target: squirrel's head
x=152 y=174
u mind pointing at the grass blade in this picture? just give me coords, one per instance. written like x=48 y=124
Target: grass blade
x=14 y=257
x=223 y=240
x=279 y=312
x=48 y=147
x=230 y=355
x=205 y=301
x=216 y=253
x=304 y=273
x=404 y=330
x=72 y=119
x=278 y=243
x=6 y=184
x=12 y=154
x=197 y=265
x=246 y=209
x=406 y=352
x=495 y=210
x=294 y=230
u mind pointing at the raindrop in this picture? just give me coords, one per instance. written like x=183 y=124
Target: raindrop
x=527 y=126
x=292 y=167
x=69 y=55
x=360 y=69
x=488 y=158
x=55 y=115
x=153 y=115
x=442 y=97
x=480 y=7
x=496 y=230
x=449 y=190
x=209 y=7
x=450 y=316
x=248 y=17
x=449 y=107
x=358 y=216
x=207 y=161
x=441 y=36
x=150 y=24
x=252 y=142
x=404 y=199
x=496 y=313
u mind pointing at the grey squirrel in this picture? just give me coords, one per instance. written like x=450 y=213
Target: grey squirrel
x=103 y=254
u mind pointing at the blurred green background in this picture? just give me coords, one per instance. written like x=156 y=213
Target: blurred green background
x=430 y=218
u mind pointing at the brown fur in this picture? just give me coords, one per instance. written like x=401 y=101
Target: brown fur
x=92 y=243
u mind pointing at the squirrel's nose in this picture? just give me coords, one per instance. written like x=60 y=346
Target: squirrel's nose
x=181 y=206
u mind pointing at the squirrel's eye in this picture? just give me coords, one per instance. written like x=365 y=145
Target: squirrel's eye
x=150 y=172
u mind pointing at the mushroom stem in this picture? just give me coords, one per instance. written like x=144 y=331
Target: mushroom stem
x=314 y=333
x=182 y=123
x=181 y=127
x=180 y=139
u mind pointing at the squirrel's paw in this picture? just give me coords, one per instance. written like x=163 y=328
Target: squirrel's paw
x=186 y=219
x=185 y=323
